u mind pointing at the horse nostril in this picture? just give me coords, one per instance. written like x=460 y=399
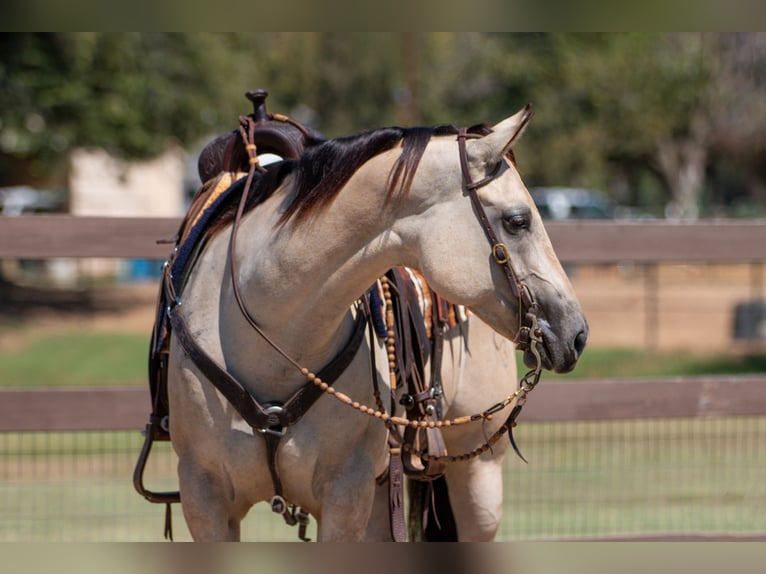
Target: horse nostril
x=579 y=343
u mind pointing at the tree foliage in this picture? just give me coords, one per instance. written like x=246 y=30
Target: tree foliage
x=653 y=119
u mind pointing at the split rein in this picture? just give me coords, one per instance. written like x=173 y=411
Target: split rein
x=529 y=337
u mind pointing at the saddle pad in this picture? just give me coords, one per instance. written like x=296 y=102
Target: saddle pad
x=223 y=183
x=224 y=191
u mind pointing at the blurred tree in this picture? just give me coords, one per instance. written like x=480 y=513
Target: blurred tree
x=738 y=119
x=651 y=117
x=357 y=75
x=127 y=93
x=645 y=98
x=672 y=104
x=646 y=116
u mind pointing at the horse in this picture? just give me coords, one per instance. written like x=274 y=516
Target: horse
x=276 y=300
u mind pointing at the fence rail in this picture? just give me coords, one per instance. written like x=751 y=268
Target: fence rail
x=575 y=242
x=127 y=408
x=44 y=236
x=578 y=242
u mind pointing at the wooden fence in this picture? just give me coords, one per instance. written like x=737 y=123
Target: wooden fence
x=576 y=242
x=607 y=242
x=642 y=243
x=127 y=408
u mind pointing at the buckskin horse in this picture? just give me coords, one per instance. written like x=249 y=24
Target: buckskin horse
x=279 y=386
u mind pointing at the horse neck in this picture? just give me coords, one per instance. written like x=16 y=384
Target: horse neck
x=304 y=276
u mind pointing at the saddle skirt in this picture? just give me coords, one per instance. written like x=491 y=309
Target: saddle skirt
x=448 y=315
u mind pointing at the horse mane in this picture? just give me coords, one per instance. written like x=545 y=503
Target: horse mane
x=323 y=170
x=326 y=166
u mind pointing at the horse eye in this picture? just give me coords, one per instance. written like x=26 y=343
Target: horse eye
x=516 y=222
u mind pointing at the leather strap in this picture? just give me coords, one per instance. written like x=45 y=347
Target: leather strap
x=396 y=494
x=246 y=405
x=500 y=254
x=481 y=214
x=412 y=352
x=268 y=420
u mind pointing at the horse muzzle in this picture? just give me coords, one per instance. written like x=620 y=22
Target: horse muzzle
x=559 y=352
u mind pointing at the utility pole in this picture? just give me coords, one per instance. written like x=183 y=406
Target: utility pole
x=407 y=94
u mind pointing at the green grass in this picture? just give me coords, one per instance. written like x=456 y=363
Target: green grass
x=76 y=487
x=583 y=478
x=75 y=358
x=87 y=358
x=625 y=363
x=606 y=478
x=611 y=478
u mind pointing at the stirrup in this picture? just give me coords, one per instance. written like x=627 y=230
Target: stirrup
x=151 y=433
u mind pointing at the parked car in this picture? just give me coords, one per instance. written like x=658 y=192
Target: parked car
x=24 y=199
x=572 y=203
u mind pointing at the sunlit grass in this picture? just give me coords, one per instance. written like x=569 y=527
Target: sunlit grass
x=75 y=358
x=90 y=358
x=596 y=478
x=602 y=363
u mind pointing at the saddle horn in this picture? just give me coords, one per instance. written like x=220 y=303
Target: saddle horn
x=274 y=133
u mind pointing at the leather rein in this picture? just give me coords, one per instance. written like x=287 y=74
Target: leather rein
x=271 y=419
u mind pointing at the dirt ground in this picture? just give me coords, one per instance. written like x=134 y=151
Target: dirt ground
x=684 y=307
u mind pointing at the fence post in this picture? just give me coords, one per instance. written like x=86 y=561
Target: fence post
x=651 y=306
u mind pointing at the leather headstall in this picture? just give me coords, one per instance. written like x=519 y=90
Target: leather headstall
x=528 y=307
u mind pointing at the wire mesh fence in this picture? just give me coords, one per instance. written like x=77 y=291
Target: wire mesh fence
x=651 y=477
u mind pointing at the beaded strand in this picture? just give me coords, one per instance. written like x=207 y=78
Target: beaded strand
x=390 y=334
x=392 y=421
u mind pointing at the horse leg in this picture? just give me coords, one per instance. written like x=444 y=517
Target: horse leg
x=204 y=506
x=347 y=502
x=345 y=515
x=476 y=496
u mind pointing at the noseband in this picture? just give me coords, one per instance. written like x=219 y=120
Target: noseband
x=529 y=335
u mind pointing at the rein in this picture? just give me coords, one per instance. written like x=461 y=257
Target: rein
x=529 y=337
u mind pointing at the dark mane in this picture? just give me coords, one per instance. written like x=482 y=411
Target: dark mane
x=323 y=170
x=325 y=167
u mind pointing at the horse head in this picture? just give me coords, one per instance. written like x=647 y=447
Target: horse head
x=491 y=252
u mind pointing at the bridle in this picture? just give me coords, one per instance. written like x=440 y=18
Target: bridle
x=271 y=420
x=529 y=334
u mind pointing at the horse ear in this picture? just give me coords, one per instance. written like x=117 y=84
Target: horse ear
x=493 y=147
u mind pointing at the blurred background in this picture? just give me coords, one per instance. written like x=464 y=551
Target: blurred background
x=668 y=124
x=634 y=128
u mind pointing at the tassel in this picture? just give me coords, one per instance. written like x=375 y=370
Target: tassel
x=168 y=522
x=513 y=444
x=303 y=521
x=511 y=422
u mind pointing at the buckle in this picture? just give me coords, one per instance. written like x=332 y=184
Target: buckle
x=274 y=424
x=500 y=253
x=278 y=504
